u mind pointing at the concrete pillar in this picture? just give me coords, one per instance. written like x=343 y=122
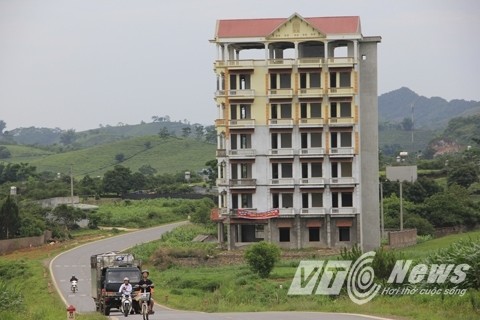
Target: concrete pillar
x=329 y=232
x=298 y=226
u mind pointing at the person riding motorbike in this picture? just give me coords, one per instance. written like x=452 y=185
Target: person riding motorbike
x=150 y=286
x=126 y=289
x=73 y=278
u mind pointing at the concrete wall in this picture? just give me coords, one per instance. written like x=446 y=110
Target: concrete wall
x=368 y=119
x=53 y=202
x=400 y=239
x=10 y=245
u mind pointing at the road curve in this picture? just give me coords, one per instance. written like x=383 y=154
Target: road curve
x=77 y=262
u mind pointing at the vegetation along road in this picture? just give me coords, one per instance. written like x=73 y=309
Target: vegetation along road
x=77 y=262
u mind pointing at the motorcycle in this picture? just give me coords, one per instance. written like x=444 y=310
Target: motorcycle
x=126 y=304
x=73 y=286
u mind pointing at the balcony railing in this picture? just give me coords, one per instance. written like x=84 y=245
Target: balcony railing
x=280 y=93
x=242 y=123
x=241 y=93
x=222 y=182
x=315 y=210
x=310 y=92
x=310 y=62
x=280 y=123
x=280 y=62
x=310 y=122
x=286 y=211
x=340 y=62
x=341 y=92
x=247 y=63
x=243 y=182
x=220 y=122
x=312 y=152
x=221 y=153
x=312 y=181
x=241 y=153
x=343 y=121
x=342 y=151
x=282 y=152
x=342 y=181
x=344 y=210
x=282 y=182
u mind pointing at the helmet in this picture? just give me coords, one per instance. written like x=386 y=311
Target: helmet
x=126 y=279
x=143 y=271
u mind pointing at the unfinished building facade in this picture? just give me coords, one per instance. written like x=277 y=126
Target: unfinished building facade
x=297 y=144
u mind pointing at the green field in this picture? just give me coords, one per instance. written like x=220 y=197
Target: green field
x=165 y=155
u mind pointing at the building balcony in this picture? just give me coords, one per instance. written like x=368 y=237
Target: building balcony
x=312 y=182
x=222 y=182
x=239 y=64
x=242 y=183
x=281 y=152
x=242 y=123
x=285 y=182
x=341 y=92
x=311 y=152
x=241 y=94
x=241 y=153
x=310 y=62
x=221 y=153
x=280 y=123
x=340 y=62
x=280 y=63
x=280 y=93
x=342 y=210
x=310 y=92
x=313 y=211
x=286 y=211
x=341 y=122
x=220 y=123
x=310 y=122
x=342 y=181
x=342 y=151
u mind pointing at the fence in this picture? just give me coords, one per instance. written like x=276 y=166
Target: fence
x=10 y=245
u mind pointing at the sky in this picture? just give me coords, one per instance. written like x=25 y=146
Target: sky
x=82 y=64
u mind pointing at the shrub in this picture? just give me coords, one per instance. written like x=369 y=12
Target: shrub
x=261 y=258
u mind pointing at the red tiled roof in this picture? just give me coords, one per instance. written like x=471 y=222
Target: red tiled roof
x=264 y=27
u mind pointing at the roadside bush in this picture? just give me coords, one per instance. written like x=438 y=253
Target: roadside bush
x=261 y=258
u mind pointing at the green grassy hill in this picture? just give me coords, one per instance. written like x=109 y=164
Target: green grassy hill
x=167 y=155
x=393 y=138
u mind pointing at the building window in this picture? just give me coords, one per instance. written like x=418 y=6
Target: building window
x=240 y=141
x=344 y=233
x=281 y=111
x=280 y=81
x=346 y=199
x=340 y=79
x=314 y=234
x=344 y=137
x=311 y=140
x=312 y=200
x=342 y=169
x=242 y=200
x=341 y=109
x=282 y=170
x=284 y=234
x=282 y=200
x=240 y=111
x=310 y=110
x=310 y=80
x=239 y=81
x=281 y=140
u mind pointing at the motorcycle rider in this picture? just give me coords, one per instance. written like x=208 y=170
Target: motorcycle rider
x=126 y=288
x=146 y=281
x=73 y=278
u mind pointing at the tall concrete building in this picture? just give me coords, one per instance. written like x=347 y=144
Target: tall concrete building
x=297 y=132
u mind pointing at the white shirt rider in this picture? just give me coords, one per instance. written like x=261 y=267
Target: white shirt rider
x=126 y=287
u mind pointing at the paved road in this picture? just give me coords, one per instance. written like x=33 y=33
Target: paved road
x=77 y=262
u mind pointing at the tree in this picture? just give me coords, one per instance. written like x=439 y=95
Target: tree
x=117 y=180
x=68 y=137
x=119 y=157
x=186 y=131
x=210 y=134
x=199 y=131
x=66 y=216
x=407 y=124
x=261 y=257
x=4 y=152
x=147 y=170
x=10 y=219
x=463 y=175
x=3 y=125
x=164 y=133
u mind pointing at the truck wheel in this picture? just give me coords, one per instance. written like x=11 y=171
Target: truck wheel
x=106 y=311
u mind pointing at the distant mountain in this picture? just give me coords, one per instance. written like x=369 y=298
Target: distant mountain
x=428 y=113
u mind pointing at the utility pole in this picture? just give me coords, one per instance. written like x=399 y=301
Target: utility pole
x=71 y=184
